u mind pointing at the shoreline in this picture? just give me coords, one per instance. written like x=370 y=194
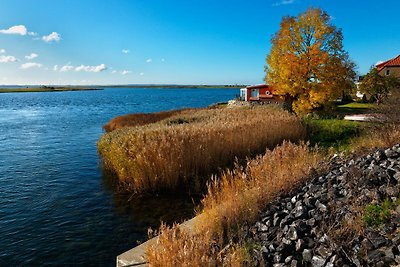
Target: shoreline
x=46 y=89
x=31 y=89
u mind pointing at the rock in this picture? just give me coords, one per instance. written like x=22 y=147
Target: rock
x=294 y=263
x=366 y=244
x=323 y=251
x=317 y=261
x=311 y=222
x=375 y=255
x=288 y=259
x=300 y=244
x=389 y=153
x=307 y=255
x=277 y=257
x=292 y=234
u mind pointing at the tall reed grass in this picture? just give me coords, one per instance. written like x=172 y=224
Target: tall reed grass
x=233 y=200
x=182 y=151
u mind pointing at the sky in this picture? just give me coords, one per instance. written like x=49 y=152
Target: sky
x=171 y=42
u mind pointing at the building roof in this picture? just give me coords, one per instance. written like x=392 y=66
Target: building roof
x=258 y=86
x=390 y=63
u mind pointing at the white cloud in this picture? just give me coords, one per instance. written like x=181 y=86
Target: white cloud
x=66 y=68
x=31 y=56
x=30 y=65
x=149 y=60
x=52 y=37
x=2 y=51
x=379 y=62
x=126 y=51
x=141 y=74
x=55 y=68
x=32 y=33
x=283 y=2
x=124 y=72
x=98 y=68
x=6 y=59
x=17 y=29
x=114 y=71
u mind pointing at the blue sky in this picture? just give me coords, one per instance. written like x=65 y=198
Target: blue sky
x=182 y=42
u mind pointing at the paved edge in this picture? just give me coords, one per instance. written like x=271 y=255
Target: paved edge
x=136 y=255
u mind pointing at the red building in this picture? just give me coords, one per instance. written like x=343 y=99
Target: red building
x=259 y=93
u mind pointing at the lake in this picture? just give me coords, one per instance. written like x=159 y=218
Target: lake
x=57 y=205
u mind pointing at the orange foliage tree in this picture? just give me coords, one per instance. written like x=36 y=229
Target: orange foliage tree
x=307 y=63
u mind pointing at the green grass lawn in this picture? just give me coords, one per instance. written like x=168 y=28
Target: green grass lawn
x=355 y=108
x=332 y=132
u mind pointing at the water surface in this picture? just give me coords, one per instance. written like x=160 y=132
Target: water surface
x=57 y=207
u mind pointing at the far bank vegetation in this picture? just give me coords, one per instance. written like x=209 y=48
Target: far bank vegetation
x=183 y=150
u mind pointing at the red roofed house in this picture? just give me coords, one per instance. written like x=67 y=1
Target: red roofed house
x=390 y=67
x=259 y=93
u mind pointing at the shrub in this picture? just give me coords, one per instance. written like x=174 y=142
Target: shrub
x=377 y=214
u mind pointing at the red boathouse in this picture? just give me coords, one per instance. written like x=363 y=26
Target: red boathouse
x=259 y=93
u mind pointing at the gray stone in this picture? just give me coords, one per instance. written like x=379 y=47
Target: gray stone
x=307 y=255
x=317 y=261
x=323 y=251
x=288 y=259
x=292 y=234
x=300 y=244
x=294 y=263
x=391 y=153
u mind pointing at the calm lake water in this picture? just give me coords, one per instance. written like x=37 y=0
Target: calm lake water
x=57 y=207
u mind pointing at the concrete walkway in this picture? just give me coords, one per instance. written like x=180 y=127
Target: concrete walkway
x=364 y=117
x=136 y=255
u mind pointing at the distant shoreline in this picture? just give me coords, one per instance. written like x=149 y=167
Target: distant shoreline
x=45 y=89
x=30 y=89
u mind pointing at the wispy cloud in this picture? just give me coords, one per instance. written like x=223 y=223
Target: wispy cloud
x=162 y=60
x=66 y=68
x=30 y=65
x=114 y=71
x=149 y=60
x=124 y=72
x=2 y=51
x=283 y=2
x=141 y=74
x=55 y=68
x=31 y=56
x=7 y=59
x=98 y=68
x=125 y=51
x=52 y=37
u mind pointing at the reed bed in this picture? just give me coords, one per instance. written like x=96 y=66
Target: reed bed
x=139 y=119
x=233 y=200
x=182 y=151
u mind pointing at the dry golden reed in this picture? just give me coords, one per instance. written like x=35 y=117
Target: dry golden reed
x=232 y=201
x=182 y=150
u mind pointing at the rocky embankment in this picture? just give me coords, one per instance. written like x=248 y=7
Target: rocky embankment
x=323 y=223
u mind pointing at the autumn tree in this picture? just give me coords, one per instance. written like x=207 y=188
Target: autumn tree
x=378 y=86
x=307 y=63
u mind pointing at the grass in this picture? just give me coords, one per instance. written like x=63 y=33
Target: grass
x=377 y=214
x=233 y=200
x=139 y=119
x=355 y=108
x=334 y=133
x=182 y=151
